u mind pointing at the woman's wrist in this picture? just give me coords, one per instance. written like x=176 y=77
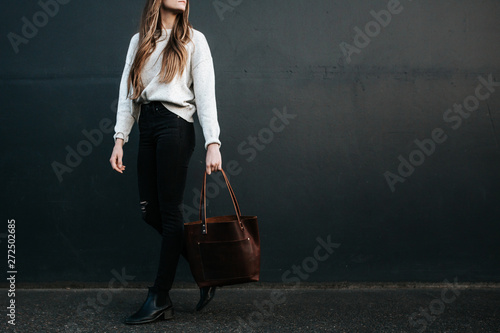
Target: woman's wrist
x=213 y=145
x=119 y=142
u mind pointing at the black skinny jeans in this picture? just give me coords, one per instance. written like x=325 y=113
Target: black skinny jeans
x=166 y=144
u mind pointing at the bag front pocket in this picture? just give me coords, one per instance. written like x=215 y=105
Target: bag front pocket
x=227 y=259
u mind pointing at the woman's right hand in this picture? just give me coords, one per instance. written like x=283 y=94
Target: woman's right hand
x=117 y=156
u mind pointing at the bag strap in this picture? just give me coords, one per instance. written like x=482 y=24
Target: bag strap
x=231 y=192
x=203 y=201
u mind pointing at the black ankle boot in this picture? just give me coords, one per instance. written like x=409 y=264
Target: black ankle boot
x=157 y=305
x=206 y=295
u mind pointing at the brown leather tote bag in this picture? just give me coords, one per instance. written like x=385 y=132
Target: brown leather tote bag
x=223 y=250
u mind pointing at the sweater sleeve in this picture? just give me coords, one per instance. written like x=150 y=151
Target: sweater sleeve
x=124 y=118
x=204 y=90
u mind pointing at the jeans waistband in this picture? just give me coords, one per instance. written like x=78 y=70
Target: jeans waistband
x=151 y=105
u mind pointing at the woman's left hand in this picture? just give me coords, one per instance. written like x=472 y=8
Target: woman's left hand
x=214 y=159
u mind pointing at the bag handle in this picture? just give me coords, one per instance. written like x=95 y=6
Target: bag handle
x=231 y=192
x=203 y=201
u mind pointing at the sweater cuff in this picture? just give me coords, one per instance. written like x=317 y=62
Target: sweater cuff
x=120 y=135
x=212 y=141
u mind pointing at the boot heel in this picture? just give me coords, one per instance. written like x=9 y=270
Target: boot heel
x=168 y=314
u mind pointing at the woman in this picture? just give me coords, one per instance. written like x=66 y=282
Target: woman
x=169 y=69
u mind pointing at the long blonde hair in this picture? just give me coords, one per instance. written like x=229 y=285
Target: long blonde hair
x=175 y=53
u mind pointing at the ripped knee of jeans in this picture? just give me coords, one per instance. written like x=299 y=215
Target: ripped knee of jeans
x=143 y=208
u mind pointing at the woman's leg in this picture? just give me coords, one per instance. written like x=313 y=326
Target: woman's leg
x=153 y=131
x=146 y=171
x=175 y=145
x=165 y=148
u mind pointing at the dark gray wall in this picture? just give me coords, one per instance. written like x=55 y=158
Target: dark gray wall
x=322 y=175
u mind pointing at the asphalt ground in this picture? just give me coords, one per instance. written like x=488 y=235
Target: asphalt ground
x=443 y=308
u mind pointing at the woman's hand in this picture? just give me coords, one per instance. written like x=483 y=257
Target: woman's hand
x=117 y=156
x=214 y=159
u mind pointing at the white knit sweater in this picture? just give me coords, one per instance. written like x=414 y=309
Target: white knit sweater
x=198 y=80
